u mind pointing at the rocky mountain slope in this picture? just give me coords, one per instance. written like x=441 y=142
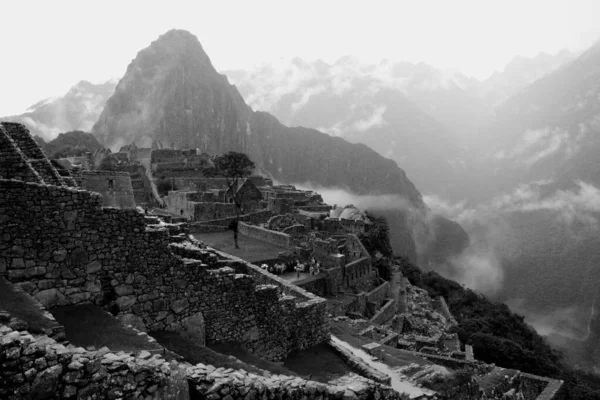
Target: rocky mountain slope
x=549 y=129
x=520 y=72
x=78 y=109
x=172 y=93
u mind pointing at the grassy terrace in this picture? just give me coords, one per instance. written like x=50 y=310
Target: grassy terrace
x=251 y=250
x=23 y=307
x=87 y=325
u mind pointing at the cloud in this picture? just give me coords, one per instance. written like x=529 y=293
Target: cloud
x=310 y=92
x=495 y=240
x=373 y=119
x=565 y=321
x=45 y=131
x=479 y=269
x=376 y=119
x=343 y=197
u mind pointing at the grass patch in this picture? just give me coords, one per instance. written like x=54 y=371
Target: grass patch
x=195 y=353
x=319 y=363
x=20 y=305
x=87 y=325
x=251 y=250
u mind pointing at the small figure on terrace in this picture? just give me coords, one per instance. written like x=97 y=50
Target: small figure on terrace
x=299 y=268
x=234 y=227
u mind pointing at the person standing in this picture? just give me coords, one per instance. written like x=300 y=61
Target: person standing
x=234 y=227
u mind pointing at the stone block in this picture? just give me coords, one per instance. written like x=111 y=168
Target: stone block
x=179 y=305
x=160 y=305
x=18 y=263
x=93 y=286
x=124 y=290
x=126 y=302
x=51 y=298
x=93 y=267
x=133 y=320
x=59 y=255
x=193 y=328
x=45 y=383
x=80 y=297
x=79 y=257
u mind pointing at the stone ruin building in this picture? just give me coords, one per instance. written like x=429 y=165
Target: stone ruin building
x=64 y=244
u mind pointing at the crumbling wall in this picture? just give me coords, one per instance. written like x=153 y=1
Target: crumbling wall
x=385 y=313
x=379 y=294
x=40 y=368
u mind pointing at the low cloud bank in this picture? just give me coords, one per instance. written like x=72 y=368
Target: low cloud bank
x=495 y=239
x=342 y=198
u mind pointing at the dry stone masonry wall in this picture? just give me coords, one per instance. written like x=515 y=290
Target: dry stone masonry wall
x=63 y=248
x=14 y=164
x=114 y=186
x=33 y=153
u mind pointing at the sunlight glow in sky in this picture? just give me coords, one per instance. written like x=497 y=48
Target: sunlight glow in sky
x=48 y=46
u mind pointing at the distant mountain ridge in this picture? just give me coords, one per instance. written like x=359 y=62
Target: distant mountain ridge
x=78 y=109
x=427 y=120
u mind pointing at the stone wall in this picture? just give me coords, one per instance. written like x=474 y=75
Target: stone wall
x=540 y=388
x=385 y=313
x=142 y=188
x=257 y=217
x=63 y=248
x=114 y=186
x=314 y=284
x=341 y=226
x=33 y=153
x=315 y=208
x=194 y=210
x=206 y=382
x=186 y=180
x=41 y=368
x=358 y=270
x=379 y=294
x=280 y=206
x=14 y=164
x=443 y=306
x=273 y=237
x=354 y=249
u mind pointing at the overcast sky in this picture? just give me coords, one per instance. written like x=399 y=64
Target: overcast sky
x=47 y=46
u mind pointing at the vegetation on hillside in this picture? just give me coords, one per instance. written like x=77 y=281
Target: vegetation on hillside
x=71 y=144
x=500 y=336
x=377 y=237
